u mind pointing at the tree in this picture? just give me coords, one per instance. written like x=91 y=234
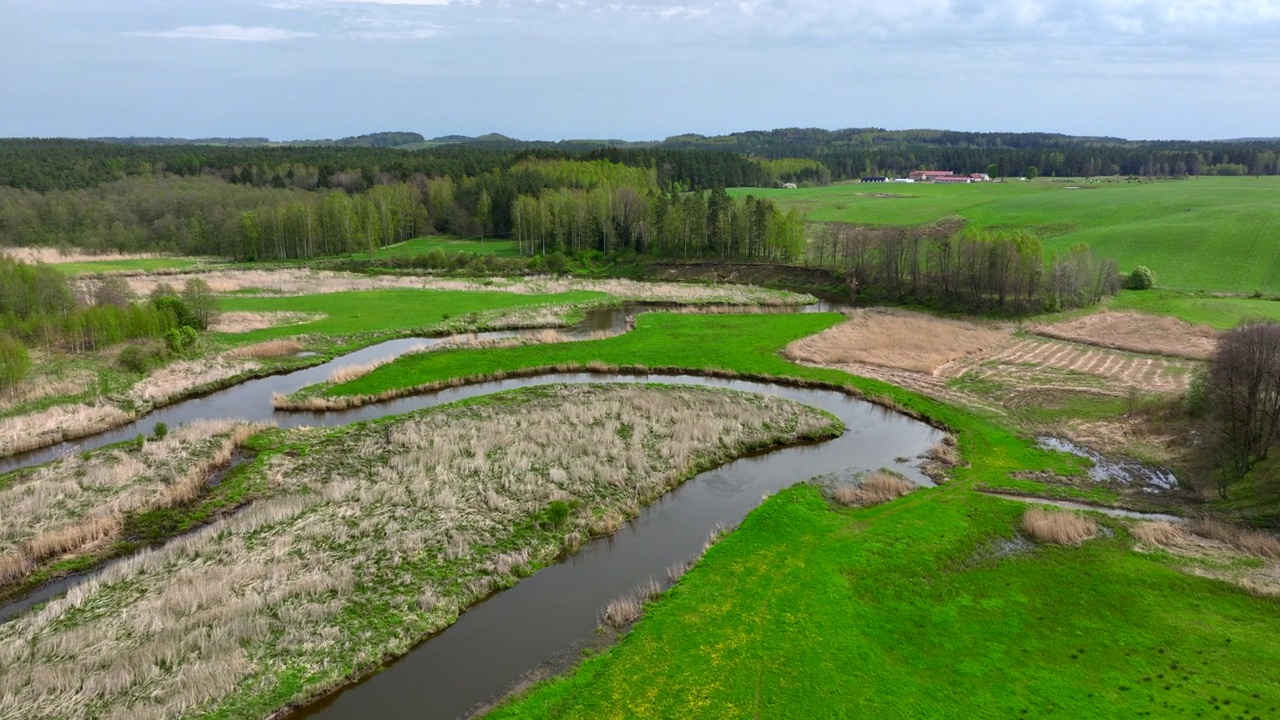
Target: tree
x=1243 y=389
x=201 y=302
x=1033 y=172
x=14 y=363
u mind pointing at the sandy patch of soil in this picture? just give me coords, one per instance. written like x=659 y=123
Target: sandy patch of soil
x=1136 y=332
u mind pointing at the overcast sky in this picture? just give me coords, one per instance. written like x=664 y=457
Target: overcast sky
x=637 y=69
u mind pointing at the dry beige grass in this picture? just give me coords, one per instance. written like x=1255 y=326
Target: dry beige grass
x=879 y=487
x=347 y=373
x=298 y=281
x=1213 y=549
x=1246 y=540
x=267 y=349
x=53 y=255
x=1136 y=332
x=177 y=380
x=1020 y=362
x=177 y=630
x=242 y=322
x=1058 y=527
x=21 y=433
x=74 y=504
x=897 y=339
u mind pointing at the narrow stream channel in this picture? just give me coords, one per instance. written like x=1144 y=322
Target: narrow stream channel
x=553 y=612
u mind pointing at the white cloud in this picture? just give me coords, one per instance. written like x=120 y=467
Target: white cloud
x=235 y=33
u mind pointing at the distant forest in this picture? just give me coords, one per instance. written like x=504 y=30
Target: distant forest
x=232 y=198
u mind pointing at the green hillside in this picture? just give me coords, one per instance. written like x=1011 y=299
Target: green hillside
x=1220 y=234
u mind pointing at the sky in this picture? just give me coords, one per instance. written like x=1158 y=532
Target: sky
x=637 y=69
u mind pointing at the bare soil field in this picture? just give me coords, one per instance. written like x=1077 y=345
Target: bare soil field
x=898 y=339
x=1120 y=370
x=378 y=534
x=1136 y=332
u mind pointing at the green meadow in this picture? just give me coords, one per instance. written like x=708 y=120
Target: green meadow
x=1207 y=233
x=383 y=311
x=445 y=244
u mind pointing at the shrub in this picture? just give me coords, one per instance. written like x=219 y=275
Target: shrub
x=14 y=362
x=135 y=358
x=1196 y=401
x=1142 y=278
x=160 y=431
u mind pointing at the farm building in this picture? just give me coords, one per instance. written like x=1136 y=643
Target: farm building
x=953 y=180
x=789 y=186
x=875 y=178
x=979 y=177
x=929 y=175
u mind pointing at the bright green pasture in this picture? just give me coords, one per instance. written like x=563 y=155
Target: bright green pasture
x=1219 y=234
x=1219 y=312
x=139 y=265
x=375 y=311
x=423 y=245
x=924 y=609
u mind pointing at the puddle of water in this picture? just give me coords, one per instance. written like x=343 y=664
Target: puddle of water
x=1129 y=472
x=1113 y=512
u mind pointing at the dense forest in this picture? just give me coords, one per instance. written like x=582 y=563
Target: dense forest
x=296 y=211
x=946 y=267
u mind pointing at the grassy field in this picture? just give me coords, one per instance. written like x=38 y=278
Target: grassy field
x=384 y=310
x=133 y=265
x=1197 y=234
x=928 y=608
x=1222 y=313
x=423 y=245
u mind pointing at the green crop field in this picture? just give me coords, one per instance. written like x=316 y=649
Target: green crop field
x=1217 y=234
x=379 y=311
x=423 y=245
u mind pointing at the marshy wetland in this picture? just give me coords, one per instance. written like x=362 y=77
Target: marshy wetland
x=444 y=520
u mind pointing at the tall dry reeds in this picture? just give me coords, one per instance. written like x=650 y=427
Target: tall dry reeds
x=299 y=281
x=1058 y=527
x=75 y=504
x=879 y=487
x=267 y=349
x=393 y=505
x=1246 y=540
x=897 y=339
x=351 y=372
x=57 y=424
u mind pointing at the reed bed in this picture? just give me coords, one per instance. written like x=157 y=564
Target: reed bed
x=54 y=255
x=59 y=423
x=300 y=281
x=267 y=349
x=380 y=533
x=1058 y=527
x=879 y=487
x=897 y=339
x=75 y=504
x=238 y=321
x=177 y=380
x=1247 y=540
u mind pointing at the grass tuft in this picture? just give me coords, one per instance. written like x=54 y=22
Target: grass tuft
x=1058 y=527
